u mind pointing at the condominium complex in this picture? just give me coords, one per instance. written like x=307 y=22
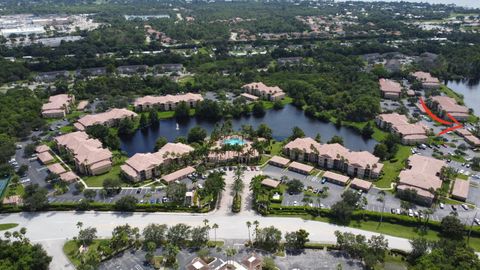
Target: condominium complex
x=89 y=156
x=144 y=166
x=259 y=89
x=390 y=89
x=399 y=125
x=447 y=105
x=108 y=118
x=166 y=103
x=427 y=80
x=334 y=156
x=58 y=106
x=423 y=176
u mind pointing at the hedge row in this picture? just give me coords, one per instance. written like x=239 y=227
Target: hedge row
x=362 y=215
x=109 y=207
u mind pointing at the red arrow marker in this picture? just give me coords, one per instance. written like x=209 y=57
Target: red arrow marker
x=455 y=122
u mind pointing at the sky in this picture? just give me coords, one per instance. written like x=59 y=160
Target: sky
x=464 y=3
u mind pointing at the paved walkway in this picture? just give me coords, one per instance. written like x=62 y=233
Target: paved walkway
x=51 y=229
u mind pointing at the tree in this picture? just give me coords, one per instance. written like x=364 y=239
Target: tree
x=196 y=135
x=112 y=186
x=199 y=236
x=90 y=194
x=295 y=186
x=7 y=147
x=153 y=116
x=367 y=130
x=126 y=203
x=17 y=253
x=268 y=238
x=87 y=235
x=451 y=227
x=343 y=209
x=155 y=233
x=238 y=184
x=124 y=236
x=371 y=252
x=182 y=111
x=278 y=105
x=160 y=142
x=296 y=240
x=258 y=110
x=178 y=234
x=35 y=198
x=296 y=133
x=419 y=248
x=215 y=227
x=150 y=247
x=176 y=192
x=336 y=139
x=171 y=252
x=264 y=131
x=381 y=151
x=126 y=127
x=143 y=121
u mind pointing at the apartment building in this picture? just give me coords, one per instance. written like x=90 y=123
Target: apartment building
x=398 y=124
x=89 y=156
x=447 y=105
x=423 y=176
x=166 y=103
x=108 y=118
x=334 y=156
x=58 y=106
x=259 y=89
x=390 y=89
x=144 y=166
x=427 y=80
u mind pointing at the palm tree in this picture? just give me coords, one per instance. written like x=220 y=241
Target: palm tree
x=381 y=198
x=257 y=225
x=230 y=252
x=249 y=224
x=215 y=227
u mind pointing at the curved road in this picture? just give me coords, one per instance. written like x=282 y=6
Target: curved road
x=52 y=229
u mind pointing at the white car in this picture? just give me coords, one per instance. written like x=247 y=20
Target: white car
x=410 y=212
x=477 y=221
x=295 y=203
x=442 y=205
x=398 y=211
x=465 y=206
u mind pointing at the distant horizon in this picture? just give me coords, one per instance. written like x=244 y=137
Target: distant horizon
x=461 y=3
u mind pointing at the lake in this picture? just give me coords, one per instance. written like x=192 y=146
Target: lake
x=470 y=89
x=281 y=122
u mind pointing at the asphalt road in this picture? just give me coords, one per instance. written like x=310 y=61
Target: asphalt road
x=52 y=229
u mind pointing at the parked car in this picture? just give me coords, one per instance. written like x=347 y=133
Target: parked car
x=393 y=211
x=324 y=180
x=454 y=208
x=442 y=205
x=410 y=212
x=398 y=211
x=477 y=221
x=465 y=206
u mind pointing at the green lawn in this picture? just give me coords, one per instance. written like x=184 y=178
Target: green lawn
x=14 y=190
x=378 y=134
x=7 y=226
x=114 y=173
x=71 y=250
x=392 y=167
x=184 y=80
x=67 y=129
x=276 y=148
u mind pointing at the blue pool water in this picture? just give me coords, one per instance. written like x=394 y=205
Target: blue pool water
x=234 y=141
x=3 y=185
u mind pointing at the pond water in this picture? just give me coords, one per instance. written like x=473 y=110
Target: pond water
x=470 y=89
x=281 y=122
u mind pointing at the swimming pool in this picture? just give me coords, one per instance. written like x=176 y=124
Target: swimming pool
x=234 y=141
